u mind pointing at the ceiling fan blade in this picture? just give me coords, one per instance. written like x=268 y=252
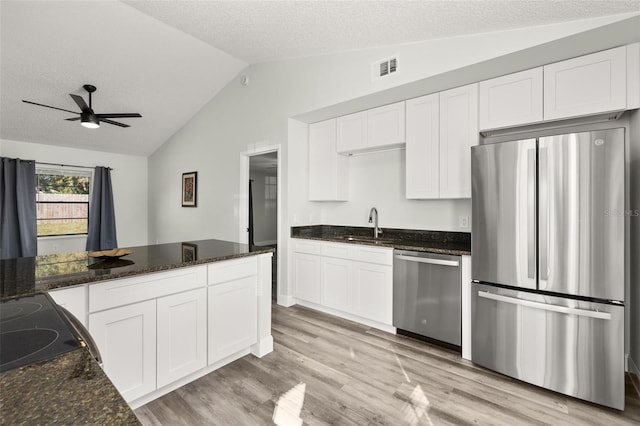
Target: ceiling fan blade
x=48 y=106
x=119 y=115
x=73 y=119
x=81 y=103
x=115 y=123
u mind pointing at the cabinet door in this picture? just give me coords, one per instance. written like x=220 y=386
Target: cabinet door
x=511 y=100
x=182 y=335
x=586 y=85
x=352 y=132
x=373 y=292
x=328 y=170
x=336 y=283
x=73 y=299
x=306 y=277
x=423 y=147
x=458 y=133
x=126 y=338
x=233 y=320
x=386 y=126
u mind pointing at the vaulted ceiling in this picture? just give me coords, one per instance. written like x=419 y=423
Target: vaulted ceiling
x=167 y=59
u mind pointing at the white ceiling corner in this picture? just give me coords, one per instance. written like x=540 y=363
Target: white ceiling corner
x=167 y=59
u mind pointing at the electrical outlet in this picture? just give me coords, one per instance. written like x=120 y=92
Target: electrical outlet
x=463 y=222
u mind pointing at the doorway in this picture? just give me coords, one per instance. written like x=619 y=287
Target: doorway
x=263 y=208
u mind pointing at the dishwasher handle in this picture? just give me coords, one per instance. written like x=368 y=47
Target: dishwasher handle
x=428 y=260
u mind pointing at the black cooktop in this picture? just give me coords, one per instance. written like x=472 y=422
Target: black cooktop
x=31 y=329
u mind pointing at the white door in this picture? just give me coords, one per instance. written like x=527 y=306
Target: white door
x=386 y=125
x=586 y=85
x=126 y=338
x=306 y=277
x=352 y=132
x=336 y=283
x=458 y=133
x=233 y=318
x=511 y=100
x=182 y=335
x=373 y=292
x=423 y=147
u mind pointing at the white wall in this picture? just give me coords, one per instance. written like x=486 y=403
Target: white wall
x=265 y=212
x=240 y=118
x=129 y=180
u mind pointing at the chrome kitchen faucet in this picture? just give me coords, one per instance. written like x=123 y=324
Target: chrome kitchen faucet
x=376 y=231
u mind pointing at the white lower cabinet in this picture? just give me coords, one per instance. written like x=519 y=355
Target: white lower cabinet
x=126 y=338
x=233 y=308
x=373 y=292
x=182 y=335
x=356 y=280
x=335 y=287
x=73 y=299
x=306 y=277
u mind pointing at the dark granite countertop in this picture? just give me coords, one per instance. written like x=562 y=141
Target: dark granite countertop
x=29 y=275
x=443 y=242
x=68 y=389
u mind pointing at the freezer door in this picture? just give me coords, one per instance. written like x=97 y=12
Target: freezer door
x=581 y=214
x=503 y=199
x=569 y=346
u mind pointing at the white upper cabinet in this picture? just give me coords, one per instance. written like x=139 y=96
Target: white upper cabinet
x=328 y=171
x=511 y=100
x=371 y=130
x=352 y=132
x=633 y=76
x=586 y=85
x=386 y=126
x=458 y=133
x=423 y=147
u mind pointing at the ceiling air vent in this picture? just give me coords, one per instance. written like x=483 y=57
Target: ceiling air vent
x=384 y=68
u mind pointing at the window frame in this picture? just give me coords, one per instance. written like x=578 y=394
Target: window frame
x=68 y=171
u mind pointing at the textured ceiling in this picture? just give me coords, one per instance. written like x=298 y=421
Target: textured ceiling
x=167 y=59
x=258 y=31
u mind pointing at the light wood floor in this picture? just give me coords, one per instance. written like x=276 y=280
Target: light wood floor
x=325 y=370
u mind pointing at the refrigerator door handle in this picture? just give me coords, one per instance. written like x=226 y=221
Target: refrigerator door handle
x=543 y=213
x=531 y=213
x=544 y=306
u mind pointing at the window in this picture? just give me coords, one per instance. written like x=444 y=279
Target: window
x=270 y=187
x=62 y=201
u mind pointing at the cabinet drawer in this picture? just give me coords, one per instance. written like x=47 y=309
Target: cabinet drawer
x=221 y=272
x=342 y=251
x=381 y=256
x=306 y=246
x=129 y=290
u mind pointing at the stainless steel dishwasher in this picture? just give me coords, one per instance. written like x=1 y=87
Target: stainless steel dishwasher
x=426 y=295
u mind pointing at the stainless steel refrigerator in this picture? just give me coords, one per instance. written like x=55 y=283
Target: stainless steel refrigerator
x=548 y=262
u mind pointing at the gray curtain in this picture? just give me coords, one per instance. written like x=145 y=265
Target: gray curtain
x=102 y=220
x=18 y=235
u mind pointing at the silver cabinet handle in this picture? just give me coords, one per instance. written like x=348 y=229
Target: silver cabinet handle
x=545 y=307
x=428 y=260
x=543 y=218
x=531 y=213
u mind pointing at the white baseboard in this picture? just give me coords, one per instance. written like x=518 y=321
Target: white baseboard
x=286 y=301
x=265 y=243
x=354 y=318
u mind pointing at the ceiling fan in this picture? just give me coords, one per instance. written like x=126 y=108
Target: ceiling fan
x=87 y=117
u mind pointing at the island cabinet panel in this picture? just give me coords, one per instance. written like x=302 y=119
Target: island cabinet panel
x=126 y=338
x=73 y=299
x=233 y=322
x=586 y=85
x=182 y=335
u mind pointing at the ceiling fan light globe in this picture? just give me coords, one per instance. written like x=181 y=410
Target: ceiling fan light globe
x=89 y=121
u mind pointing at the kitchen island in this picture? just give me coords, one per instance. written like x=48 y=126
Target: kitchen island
x=161 y=316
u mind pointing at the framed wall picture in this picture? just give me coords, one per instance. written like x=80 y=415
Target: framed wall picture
x=189 y=252
x=189 y=189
